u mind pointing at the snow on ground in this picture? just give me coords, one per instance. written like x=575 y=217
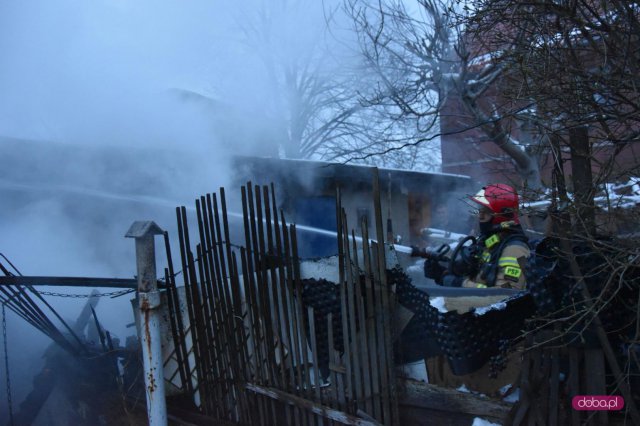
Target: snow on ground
x=482 y=422
x=416 y=268
x=464 y=389
x=513 y=397
x=438 y=303
x=484 y=309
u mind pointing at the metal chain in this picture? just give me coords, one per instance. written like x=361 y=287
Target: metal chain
x=83 y=296
x=6 y=363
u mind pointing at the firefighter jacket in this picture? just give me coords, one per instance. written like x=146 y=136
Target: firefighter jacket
x=502 y=258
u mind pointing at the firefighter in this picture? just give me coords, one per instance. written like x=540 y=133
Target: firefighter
x=496 y=258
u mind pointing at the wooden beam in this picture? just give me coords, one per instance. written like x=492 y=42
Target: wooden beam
x=430 y=397
x=321 y=410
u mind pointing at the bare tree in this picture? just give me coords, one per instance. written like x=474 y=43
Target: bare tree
x=574 y=64
x=424 y=58
x=320 y=88
x=309 y=89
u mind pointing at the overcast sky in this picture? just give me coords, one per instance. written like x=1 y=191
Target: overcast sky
x=70 y=70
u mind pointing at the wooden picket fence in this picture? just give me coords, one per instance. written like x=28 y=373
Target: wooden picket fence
x=248 y=351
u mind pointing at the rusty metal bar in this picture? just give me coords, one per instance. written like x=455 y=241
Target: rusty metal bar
x=237 y=317
x=183 y=238
x=190 y=311
x=177 y=325
x=225 y=315
x=198 y=326
x=213 y=319
x=210 y=359
x=177 y=331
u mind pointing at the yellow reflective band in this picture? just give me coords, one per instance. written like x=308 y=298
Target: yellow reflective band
x=508 y=261
x=486 y=256
x=511 y=271
x=481 y=286
x=492 y=241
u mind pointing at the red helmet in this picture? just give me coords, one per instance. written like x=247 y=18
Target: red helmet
x=501 y=199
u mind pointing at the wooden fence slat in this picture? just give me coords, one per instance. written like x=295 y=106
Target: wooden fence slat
x=354 y=334
x=314 y=353
x=252 y=261
x=297 y=346
x=388 y=372
x=554 y=387
x=371 y=336
x=211 y=316
x=574 y=382
x=366 y=403
x=333 y=364
x=344 y=307
x=198 y=392
x=595 y=382
x=525 y=389
x=252 y=322
x=301 y=317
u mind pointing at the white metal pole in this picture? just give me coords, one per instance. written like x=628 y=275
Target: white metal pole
x=148 y=303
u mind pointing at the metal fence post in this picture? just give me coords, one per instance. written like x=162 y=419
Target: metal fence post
x=148 y=303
